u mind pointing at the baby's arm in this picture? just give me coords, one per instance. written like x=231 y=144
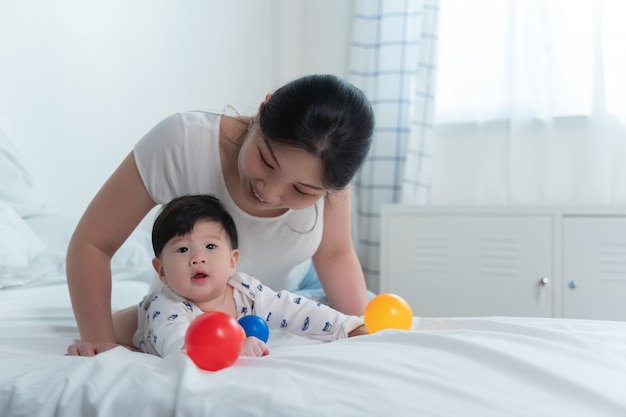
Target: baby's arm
x=301 y=316
x=165 y=326
x=253 y=346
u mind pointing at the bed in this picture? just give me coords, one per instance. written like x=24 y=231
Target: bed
x=482 y=366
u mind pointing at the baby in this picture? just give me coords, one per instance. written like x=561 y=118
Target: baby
x=195 y=243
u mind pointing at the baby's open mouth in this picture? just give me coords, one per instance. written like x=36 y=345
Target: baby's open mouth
x=199 y=275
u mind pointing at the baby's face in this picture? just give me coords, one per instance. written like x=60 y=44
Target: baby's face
x=197 y=265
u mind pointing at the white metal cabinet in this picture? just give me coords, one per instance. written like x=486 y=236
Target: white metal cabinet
x=594 y=267
x=471 y=264
x=513 y=261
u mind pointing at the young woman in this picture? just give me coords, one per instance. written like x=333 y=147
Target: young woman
x=284 y=176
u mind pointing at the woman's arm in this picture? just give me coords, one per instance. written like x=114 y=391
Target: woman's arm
x=336 y=262
x=112 y=215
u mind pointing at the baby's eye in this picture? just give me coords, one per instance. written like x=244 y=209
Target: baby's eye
x=182 y=250
x=211 y=246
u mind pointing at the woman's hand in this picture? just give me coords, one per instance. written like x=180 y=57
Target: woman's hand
x=253 y=346
x=89 y=349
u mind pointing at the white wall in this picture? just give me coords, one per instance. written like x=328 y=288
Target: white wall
x=81 y=82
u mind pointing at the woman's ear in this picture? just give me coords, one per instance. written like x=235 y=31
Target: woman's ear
x=267 y=98
x=158 y=267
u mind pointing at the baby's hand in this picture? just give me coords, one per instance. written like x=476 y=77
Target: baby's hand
x=253 y=346
x=359 y=331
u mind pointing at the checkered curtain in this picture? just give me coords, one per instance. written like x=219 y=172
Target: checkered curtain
x=393 y=62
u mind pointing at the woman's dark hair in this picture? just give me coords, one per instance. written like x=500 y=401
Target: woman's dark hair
x=179 y=216
x=327 y=117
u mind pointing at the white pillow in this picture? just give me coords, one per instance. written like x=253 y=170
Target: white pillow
x=46 y=237
x=19 y=245
x=47 y=234
x=133 y=260
x=16 y=183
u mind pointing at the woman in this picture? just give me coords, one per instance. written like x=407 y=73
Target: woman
x=283 y=175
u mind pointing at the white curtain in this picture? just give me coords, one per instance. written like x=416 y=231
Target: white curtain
x=531 y=102
x=392 y=61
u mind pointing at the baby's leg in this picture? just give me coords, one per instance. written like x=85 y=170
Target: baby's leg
x=125 y=325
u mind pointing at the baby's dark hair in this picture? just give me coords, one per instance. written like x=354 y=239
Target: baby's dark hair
x=327 y=117
x=179 y=216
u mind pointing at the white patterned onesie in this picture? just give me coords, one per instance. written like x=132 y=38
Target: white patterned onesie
x=164 y=316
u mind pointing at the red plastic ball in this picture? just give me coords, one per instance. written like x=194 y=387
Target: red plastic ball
x=214 y=340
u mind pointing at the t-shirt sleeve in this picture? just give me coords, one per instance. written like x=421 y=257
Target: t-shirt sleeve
x=159 y=158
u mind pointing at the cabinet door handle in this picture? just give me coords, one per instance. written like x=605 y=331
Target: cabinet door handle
x=544 y=281
x=572 y=285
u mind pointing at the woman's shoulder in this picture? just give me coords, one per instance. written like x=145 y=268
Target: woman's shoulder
x=189 y=123
x=175 y=124
x=180 y=155
x=198 y=117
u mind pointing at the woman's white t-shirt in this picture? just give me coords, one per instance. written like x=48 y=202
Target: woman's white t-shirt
x=180 y=156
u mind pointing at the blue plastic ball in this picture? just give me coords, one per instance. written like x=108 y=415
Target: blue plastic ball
x=255 y=326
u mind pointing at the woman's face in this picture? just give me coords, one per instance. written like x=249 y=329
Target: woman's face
x=275 y=176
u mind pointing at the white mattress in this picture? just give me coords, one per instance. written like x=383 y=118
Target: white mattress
x=444 y=367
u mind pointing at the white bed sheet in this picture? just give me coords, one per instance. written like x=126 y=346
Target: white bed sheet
x=444 y=367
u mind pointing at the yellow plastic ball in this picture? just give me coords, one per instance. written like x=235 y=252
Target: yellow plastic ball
x=387 y=311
